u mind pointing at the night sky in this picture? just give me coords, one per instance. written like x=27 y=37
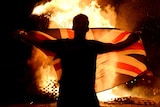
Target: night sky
x=132 y=15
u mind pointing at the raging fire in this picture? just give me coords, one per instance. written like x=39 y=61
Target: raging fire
x=60 y=14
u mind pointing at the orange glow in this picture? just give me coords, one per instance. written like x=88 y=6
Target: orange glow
x=61 y=14
x=45 y=74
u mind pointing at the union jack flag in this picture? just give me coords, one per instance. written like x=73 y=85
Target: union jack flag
x=113 y=68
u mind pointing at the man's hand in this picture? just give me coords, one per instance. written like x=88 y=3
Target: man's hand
x=29 y=37
x=19 y=33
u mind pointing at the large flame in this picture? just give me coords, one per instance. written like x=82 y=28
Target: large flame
x=61 y=13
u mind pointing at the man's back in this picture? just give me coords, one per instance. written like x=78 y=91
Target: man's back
x=78 y=60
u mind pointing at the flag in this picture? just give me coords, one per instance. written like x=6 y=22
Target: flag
x=113 y=68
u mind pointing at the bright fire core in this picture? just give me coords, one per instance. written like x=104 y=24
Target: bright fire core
x=62 y=12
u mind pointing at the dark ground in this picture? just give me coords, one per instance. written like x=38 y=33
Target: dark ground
x=131 y=102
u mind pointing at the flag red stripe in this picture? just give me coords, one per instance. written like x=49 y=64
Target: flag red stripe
x=40 y=36
x=119 y=37
x=70 y=33
x=128 y=67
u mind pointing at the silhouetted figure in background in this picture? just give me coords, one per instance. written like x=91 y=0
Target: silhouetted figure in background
x=78 y=61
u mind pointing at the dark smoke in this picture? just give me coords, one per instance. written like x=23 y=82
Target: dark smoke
x=132 y=12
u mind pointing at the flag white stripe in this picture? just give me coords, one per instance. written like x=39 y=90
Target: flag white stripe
x=64 y=33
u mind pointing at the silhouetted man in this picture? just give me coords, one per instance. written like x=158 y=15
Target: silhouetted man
x=78 y=61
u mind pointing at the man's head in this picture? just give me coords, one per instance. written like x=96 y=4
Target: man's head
x=80 y=23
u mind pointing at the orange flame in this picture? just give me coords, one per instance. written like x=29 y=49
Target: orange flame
x=62 y=12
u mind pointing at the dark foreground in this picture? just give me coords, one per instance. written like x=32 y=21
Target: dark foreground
x=119 y=102
x=54 y=105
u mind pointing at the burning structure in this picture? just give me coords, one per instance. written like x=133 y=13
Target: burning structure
x=59 y=14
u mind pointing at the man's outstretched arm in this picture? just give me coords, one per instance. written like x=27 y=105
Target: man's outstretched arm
x=133 y=37
x=108 y=47
x=30 y=37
